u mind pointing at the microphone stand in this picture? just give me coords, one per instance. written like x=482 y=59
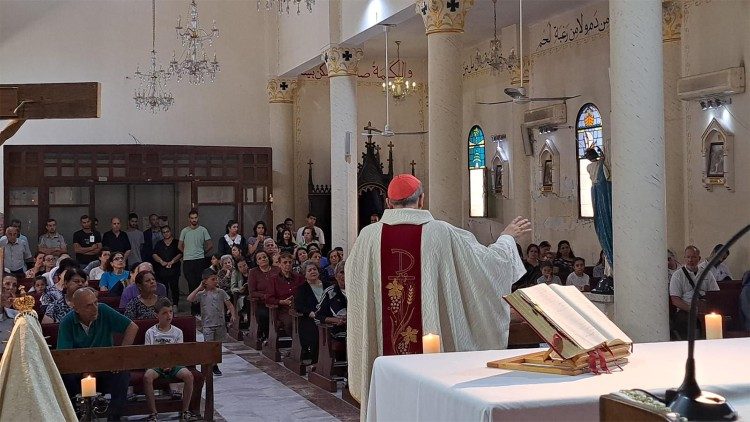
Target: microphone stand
x=688 y=400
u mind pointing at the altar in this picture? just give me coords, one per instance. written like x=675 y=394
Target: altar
x=460 y=387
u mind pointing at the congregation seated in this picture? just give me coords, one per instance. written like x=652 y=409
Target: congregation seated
x=163 y=332
x=548 y=276
x=130 y=289
x=682 y=288
x=306 y=301
x=74 y=280
x=578 y=277
x=564 y=260
x=97 y=268
x=93 y=324
x=143 y=306
x=260 y=281
x=720 y=271
x=533 y=268
x=284 y=285
x=332 y=307
x=112 y=280
x=227 y=274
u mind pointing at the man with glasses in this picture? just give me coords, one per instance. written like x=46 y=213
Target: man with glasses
x=166 y=258
x=87 y=242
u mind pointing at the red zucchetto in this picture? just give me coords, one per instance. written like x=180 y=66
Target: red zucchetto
x=403 y=186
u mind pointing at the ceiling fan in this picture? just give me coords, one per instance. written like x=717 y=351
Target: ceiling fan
x=519 y=95
x=387 y=131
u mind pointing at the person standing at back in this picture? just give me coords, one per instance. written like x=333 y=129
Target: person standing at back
x=151 y=237
x=116 y=240
x=135 y=236
x=195 y=243
x=87 y=242
x=52 y=242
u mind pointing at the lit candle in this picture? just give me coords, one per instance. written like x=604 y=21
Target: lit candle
x=713 y=326
x=88 y=386
x=431 y=343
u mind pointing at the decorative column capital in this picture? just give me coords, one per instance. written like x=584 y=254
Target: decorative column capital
x=341 y=60
x=281 y=90
x=443 y=15
x=671 y=13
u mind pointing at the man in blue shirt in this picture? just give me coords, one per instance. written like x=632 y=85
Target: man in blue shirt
x=92 y=324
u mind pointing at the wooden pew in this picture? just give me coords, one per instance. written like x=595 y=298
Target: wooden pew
x=272 y=348
x=294 y=360
x=332 y=364
x=188 y=326
x=128 y=358
x=234 y=329
x=252 y=339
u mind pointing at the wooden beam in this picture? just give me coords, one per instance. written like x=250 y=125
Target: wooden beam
x=77 y=100
x=125 y=358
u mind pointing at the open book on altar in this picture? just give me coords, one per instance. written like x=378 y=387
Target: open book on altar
x=579 y=334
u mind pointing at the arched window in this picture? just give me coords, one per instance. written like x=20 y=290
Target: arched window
x=477 y=170
x=588 y=133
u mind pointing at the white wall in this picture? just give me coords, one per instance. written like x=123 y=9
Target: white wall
x=68 y=41
x=360 y=15
x=302 y=38
x=713 y=38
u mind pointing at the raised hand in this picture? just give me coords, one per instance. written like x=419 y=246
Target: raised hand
x=518 y=227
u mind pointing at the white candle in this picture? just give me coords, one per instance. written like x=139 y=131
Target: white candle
x=713 y=326
x=431 y=343
x=88 y=386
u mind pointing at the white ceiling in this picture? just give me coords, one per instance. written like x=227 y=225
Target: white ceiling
x=479 y=23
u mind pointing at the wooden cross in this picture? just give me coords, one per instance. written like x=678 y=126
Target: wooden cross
x=412 y=164
x=21 y=102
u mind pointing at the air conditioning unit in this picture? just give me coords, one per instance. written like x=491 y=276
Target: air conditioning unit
x=556 y=114
x=721 y=83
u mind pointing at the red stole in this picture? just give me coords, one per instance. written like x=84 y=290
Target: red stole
x=401 y=288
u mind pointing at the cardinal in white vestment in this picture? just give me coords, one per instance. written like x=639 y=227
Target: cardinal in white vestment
x=409 y=274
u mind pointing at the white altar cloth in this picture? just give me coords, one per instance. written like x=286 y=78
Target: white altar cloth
x=460 y=387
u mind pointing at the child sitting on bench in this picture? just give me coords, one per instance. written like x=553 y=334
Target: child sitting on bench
x=166 y=333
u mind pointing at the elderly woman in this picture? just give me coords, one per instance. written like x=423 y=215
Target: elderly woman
x=142 y=306
x=75 y=278
x=334 y=257
x=332 y=309
x=227 y=273
x=260 y=282
x=131 y=291
x=306 y=302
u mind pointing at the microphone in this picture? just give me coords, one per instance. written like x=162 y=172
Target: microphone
x=689 y=400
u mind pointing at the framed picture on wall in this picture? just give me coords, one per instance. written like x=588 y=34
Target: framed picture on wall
x=715 y=160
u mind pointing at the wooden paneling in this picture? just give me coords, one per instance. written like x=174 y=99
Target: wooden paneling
x=77 y=100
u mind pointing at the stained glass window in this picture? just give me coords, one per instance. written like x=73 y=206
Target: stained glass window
x=477 y=174
x=588 y=133
x=476 y=148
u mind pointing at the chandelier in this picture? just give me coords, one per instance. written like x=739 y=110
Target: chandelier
x=193 y=62
x=399 y=87
x=152 y=91
x=285 y=5
x=494 y=58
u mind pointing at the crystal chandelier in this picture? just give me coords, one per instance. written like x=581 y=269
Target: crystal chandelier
x=285 y=5
x=400 y=87
x=152 y=92
x=494 y=58
x=193 y=62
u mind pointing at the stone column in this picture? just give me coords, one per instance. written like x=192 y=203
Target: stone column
x=281 y=121
x=342 y=76
x=638 y=178
x=447 y=154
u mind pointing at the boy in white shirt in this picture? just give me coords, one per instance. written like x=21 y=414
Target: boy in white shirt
x=578 y=278
x=166 y=333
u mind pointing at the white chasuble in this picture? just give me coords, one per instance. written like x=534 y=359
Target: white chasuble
x=462 y=284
